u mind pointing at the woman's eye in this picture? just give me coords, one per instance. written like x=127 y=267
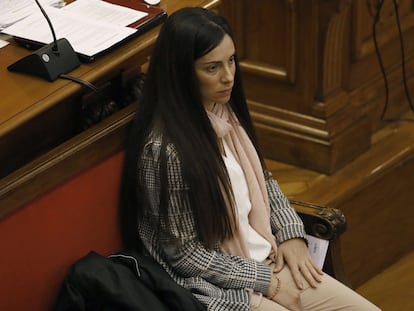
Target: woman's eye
x=232 y=59
x=212 y=68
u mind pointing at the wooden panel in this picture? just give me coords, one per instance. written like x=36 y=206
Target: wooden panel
x=312 y=79
x=399 y=296
x=365 y=12
x=374 y=192
x=366 y=80
x=380 y=227
x=48 y=123
x=267 y=25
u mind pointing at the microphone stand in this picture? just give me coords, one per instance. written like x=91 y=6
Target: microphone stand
x=51 y=60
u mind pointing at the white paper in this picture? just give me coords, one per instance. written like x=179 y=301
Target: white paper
x=12 y=11
x=3 y=43
x=86 y=36
x=318 y=249
x=99 y=10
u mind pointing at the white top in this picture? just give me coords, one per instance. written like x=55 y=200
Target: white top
x=258 y=246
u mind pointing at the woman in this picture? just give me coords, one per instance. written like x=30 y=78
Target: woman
x=196 y=194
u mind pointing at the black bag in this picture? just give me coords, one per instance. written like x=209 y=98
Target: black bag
x=123 y=282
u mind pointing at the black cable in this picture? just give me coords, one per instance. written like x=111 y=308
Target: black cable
x=397 y=16
x=377 y=51
x=80 y=81
x=89 y=85
x=381 y=63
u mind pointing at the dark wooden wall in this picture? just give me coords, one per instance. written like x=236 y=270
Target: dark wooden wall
x=312 y=75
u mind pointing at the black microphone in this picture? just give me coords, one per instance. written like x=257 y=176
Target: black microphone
x=51 y=60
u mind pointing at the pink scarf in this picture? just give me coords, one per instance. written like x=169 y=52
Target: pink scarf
x=228 y=128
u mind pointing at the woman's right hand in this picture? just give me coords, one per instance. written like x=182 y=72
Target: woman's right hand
x=289 y=298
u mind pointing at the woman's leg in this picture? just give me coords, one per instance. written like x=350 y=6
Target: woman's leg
x=329 y=295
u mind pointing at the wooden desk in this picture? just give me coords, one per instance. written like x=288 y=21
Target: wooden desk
x=39 y=142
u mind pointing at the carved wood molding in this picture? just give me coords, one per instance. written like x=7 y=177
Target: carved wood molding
x=334 y=38
x=267 y=70
x=321 y=221
x=295 y=124
x=333 y=50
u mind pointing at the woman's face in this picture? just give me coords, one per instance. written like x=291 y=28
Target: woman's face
x=215 y=72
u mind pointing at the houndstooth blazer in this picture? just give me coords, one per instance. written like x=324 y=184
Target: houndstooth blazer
x=218 y=280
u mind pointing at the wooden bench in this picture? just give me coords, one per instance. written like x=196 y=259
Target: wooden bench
x=39 y=241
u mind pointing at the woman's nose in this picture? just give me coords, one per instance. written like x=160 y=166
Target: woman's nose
x=228 y=74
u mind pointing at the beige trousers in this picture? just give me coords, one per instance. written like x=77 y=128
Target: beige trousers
x=329 y=295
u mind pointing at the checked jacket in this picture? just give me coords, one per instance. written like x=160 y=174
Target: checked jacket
x=216 y=279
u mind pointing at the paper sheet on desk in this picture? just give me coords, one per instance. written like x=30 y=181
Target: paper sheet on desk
x=3 y=43
x=88 y=37
x=99 y=10
x=318 y=249
x=12 y=11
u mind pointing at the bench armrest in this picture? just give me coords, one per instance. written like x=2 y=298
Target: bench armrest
x=328 y=224
x=322 y=222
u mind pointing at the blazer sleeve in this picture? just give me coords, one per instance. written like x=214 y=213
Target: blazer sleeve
x=285 y=222
x=179 y=245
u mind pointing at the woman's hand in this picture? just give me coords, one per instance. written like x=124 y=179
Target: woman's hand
x=296 y=255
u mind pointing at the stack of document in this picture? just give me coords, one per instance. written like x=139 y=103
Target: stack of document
x=11 y=11
x=91 y=26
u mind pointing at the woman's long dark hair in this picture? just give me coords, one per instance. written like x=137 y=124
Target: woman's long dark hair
x=171 y=102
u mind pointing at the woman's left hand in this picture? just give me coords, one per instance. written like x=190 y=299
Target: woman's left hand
x=296 y=255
